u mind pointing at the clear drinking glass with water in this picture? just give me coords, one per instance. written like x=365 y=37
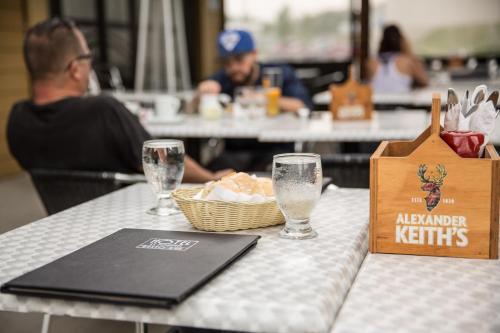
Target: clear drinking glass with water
x=249 y=102
x=297 y=181
x=163 y=163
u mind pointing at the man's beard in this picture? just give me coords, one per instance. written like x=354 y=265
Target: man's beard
x=247 y=80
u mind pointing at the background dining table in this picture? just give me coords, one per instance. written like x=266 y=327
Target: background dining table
x=400 y=124
x=420 y=97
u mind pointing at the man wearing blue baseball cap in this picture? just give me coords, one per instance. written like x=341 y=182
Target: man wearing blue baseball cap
x=238 y=54
x=237 y=51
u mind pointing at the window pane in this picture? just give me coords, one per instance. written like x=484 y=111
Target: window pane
x=294 y=29
x=116 y=11
x=119 y=52
x=441 y=28
x=90 y=33
x=79 y=10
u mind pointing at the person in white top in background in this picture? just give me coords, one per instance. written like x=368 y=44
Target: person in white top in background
x=396 y=69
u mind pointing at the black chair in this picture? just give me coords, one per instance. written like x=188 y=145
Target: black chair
x=347 y=170
x=62 y=189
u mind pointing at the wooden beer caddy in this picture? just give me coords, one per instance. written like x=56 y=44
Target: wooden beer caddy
x=427 y=200
x=351 y=100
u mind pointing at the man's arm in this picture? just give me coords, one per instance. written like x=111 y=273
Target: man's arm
x=208 y=87
x=195 y=173
x=204 y=87
x=294 y=94
x=290 y=104
x=419 y=73
x=417 y=67
x=212 y=85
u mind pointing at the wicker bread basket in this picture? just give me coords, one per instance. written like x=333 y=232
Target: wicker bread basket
x=226 y=216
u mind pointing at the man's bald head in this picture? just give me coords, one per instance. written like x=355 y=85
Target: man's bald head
x=50 y=46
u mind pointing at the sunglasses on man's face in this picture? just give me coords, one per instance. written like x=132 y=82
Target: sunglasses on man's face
x=85 y=56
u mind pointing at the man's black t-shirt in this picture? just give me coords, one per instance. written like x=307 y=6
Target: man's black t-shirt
x=76 y=133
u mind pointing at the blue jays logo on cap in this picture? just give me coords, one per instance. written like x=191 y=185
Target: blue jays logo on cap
x=229 y=40
x=233 y=42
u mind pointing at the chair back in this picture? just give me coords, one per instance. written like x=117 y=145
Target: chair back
x=62 y=189
x=350 y=170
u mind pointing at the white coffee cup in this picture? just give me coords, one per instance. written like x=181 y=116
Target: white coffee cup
x=167 y=107
x=210 y=107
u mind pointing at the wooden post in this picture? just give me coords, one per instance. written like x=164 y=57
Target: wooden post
x=365 y=39
x=436 y=114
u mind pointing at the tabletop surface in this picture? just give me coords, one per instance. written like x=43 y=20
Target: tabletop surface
x=391 y=125
x=404 y=124
x=385 y=125
x=150 y=96
x=194 y=126
x=403 y=293
x=421 y=96
x=280 y=286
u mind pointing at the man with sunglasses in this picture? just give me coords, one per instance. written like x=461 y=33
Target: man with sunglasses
x=236 y=49
x=61 y=128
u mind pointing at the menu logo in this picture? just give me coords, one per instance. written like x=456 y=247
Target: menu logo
x=167 y=244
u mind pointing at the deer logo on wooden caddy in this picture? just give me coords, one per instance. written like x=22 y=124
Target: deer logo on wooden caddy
x=432 y=184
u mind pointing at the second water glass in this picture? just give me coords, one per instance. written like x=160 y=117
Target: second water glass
x=297 y=182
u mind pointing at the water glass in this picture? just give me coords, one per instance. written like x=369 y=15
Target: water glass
x=250 y=102
x=297 y=181
x=163 y=163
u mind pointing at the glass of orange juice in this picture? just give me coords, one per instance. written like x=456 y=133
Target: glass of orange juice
x=272 y=78
x=273 y=95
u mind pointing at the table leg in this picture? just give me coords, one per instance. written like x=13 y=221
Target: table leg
x=46 y=323
x=141 y=327
x=193 y=148
x=298 y=147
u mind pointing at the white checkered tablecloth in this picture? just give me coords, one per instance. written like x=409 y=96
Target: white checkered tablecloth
x=385 y=125
x=416 y=294
x=194 y=126
x=391 y=125
x=280 y=286
x=420 y=96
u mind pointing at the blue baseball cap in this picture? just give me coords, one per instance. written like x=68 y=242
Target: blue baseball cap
x=233 y=42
